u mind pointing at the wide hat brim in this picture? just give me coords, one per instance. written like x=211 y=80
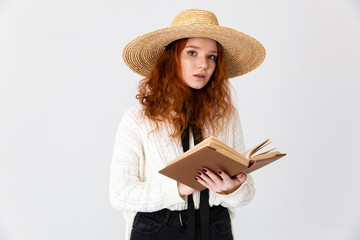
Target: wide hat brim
x=242 y=52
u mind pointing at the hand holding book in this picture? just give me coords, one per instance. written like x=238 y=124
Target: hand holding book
x=220 y=181
x=215 y=155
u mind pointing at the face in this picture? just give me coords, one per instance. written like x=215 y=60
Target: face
x=198 y=61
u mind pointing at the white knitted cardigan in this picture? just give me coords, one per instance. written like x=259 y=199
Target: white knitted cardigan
x=138 y=155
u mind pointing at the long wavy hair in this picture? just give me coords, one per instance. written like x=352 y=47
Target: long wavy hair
x=166 y=98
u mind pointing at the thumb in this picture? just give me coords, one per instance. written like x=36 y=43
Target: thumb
x=241 y=177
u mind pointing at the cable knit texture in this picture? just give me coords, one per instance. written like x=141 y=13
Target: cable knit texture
x=139 y=153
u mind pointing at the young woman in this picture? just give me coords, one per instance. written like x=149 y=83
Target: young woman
x=183 y=98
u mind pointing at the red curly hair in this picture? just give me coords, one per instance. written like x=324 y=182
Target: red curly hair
x=165 y=97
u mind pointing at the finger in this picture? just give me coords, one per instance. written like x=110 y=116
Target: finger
x=213 y=176
x=203 y=176
x=206 y=181
x=223 y=175
x=202 y=182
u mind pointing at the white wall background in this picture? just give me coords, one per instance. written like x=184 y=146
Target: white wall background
x=64 y=88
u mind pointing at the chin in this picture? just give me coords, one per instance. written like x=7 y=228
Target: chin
x=197 y=87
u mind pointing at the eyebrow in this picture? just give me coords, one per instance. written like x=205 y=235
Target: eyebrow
x=190 y=46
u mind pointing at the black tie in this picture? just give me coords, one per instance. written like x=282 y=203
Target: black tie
x=204 y=197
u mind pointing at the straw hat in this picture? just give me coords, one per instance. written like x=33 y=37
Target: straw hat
x=242 y=52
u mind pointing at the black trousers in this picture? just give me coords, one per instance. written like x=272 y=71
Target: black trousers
x=166 y=224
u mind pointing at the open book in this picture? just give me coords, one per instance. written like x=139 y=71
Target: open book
x=215 y=155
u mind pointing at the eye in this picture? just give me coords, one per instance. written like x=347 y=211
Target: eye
x=192 y=53
x=212 y=57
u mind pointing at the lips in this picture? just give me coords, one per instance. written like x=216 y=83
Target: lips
x=202 y=76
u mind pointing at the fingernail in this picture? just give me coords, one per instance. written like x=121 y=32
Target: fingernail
x=204 y=170
x=196 y=178
x=219 y=172
x=199 y=172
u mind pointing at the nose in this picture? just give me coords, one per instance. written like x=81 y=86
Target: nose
x=202 y=62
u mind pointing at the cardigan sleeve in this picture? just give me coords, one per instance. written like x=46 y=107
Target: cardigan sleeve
x=245 y=193
x=129 y=190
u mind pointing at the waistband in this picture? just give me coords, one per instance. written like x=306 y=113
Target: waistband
x=166 y=216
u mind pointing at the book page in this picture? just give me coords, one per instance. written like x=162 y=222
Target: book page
x=265 y=155
x=257 y=148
